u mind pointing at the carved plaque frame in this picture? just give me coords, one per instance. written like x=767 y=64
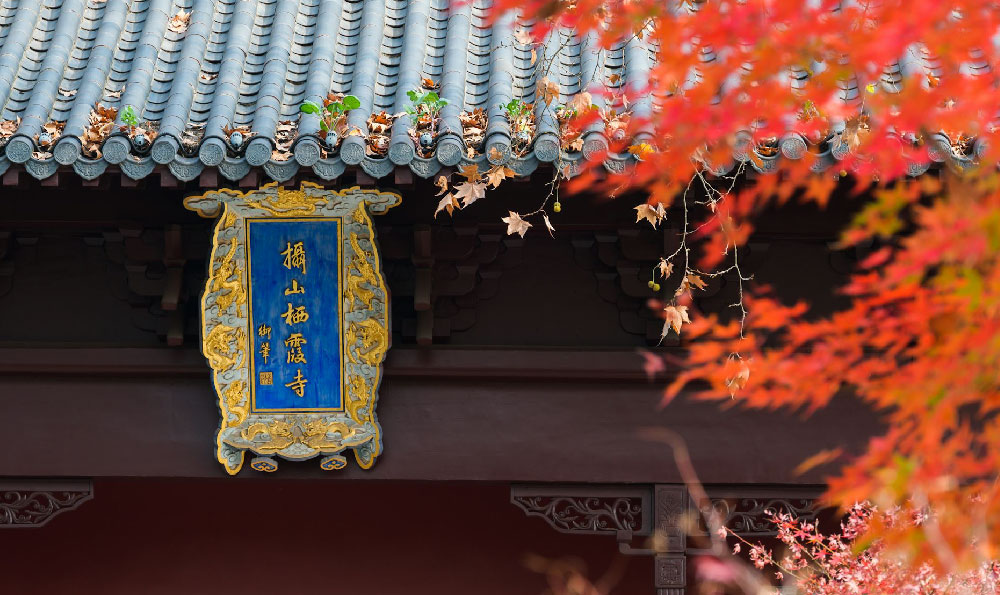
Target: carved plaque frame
x=226 y=333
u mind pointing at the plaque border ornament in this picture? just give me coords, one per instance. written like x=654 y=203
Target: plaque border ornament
x=365 y=332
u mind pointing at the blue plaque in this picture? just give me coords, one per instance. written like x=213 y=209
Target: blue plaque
x=295 y=314
x=295 y=324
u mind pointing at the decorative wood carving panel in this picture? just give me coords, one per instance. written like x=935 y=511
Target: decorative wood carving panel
x=34 y=503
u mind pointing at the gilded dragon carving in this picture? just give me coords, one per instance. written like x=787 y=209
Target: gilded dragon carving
x=279 y=435
x=367 y=341
x=236 y=401
x=287 y=203
x=360 y=262
x=224 y=347
x=232 y=291
x=358 y=395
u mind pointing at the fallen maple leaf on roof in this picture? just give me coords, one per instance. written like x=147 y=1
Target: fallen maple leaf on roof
x=547 y=90
x=581 y=102
x=179 y=22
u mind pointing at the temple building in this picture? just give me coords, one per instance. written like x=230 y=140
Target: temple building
x=166 y=189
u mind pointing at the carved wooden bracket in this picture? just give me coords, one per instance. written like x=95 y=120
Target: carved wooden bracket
x=620 y=511
x=623 y=511
x=159 y=285
x=661 y=511
x=744 y=511
x=33 y=503
x=446 y=271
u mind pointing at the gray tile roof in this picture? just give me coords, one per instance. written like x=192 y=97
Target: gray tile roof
x=253 y=62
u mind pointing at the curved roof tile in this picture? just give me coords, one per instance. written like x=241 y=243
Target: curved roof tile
x=251 y=63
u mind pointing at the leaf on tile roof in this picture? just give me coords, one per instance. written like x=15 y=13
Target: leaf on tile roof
x=100 y=125
x=277 y=155
x=244 y=130
x=379 y=123
x=523 y=37
x=9 y=127
x=473 y=128
x=41 y=155
x=284 y=135
x=51 y=131
x=429 y=84
x=191 y=138
x=67 y=93
x=179 y=22
x=115 y=94
x=377 y=145
x=207 y=77
x=547 y=90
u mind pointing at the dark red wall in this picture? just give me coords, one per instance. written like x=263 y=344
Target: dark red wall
x=272 y=536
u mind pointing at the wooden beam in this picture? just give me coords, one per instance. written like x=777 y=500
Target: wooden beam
x=209 y=178
x=251 y=180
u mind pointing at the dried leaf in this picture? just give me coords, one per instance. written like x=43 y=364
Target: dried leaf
x=548 y=225
x=740 y=375
x=666 y=268
x=581 y=102
x=823 y=457
x=547 y=90
x=696 y=281
x=515 y=224
x=673 y=318
x=470 y=192
x=650 y=213
x=442 y=183
x=640 y=150
x=470 y=172
x=495 y=154
x=179 y=22
x=448 y=203
x=497 y=174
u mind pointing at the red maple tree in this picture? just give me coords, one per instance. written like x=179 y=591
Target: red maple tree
x=874 y=92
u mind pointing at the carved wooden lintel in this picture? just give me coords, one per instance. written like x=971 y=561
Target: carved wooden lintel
x=623 y=511
x=33 y=503
x=744 y=512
